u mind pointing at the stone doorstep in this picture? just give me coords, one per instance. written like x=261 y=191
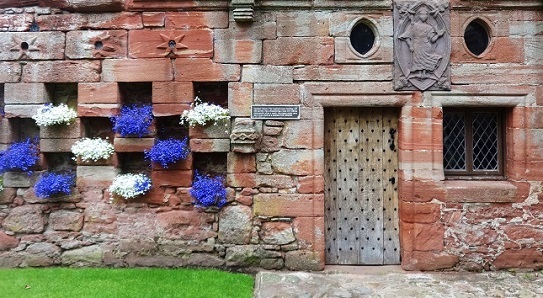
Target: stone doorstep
x=391 y=281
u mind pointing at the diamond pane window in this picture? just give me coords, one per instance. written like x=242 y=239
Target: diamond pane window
x=472 y=142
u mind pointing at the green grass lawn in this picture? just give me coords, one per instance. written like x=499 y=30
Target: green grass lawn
x=99 y=282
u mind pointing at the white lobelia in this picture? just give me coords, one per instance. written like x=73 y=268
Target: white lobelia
x=202 y=113
x=130 y=186
x=52 y=115
x=92 y=149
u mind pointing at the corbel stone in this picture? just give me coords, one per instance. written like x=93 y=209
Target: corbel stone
x=243 y=10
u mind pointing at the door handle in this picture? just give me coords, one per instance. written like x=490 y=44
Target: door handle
x=392 y=133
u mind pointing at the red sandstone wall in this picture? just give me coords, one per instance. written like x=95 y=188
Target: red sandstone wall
x=297 y=56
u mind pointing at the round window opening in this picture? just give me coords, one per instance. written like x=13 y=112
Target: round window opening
x=476 y=37
x=362 y=38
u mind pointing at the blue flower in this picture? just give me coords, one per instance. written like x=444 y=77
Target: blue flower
x=19 y=156
x=133 y=120
x=208 y=191
x=51 y=184
x=166 y=152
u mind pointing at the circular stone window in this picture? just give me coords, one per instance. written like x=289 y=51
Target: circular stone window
x=362 y=38
x=476 y=37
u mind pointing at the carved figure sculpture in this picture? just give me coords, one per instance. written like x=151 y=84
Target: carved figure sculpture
x=421 y=46
x=421 y=37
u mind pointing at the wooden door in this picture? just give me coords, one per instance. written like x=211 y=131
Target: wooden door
x=361 y=193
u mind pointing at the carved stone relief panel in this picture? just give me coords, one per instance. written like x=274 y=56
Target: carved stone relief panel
x=422 y=45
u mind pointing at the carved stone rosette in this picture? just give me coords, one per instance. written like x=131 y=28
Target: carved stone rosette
x=422 y=46
x=245 y=135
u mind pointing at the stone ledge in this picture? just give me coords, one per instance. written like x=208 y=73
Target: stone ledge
x=480 y=191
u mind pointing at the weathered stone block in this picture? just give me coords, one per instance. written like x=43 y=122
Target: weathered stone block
x=153 y=19
x=21 y=111
x=299 y=50
x=89 y=6
x=276 y=94
x=57 y=145
x=240 y=163
x=25 y=93
x=298 y=162
x=267 y=74
x=133 y=144
x=241 y=180
x=519 y=258
x=100 y=93
x=238 y=51
x=10 y=72
x=73 y=21
x=25 y=219
x=194 y=225
x=310 y=184
x=195 y=43
x=173 y=92
x=277 y=233
x=428 y=261
x=62 y=71
x=288 y=205
x=309 y=232
x=95 y=176
x=278 y=181
x=19 y=179
x=100 y=219
x=421 y=237
x=511 y=50
x=216 y=130
x=304 y=260
x=210 y=145
x=303 y=134
x=303 y=23
x=97 y=110
x=7 y=195
x=40 y=254
x=235 y=225
x=179 y=178
x=240 y=99
x=32 y=45
x=137 y=70
x=419 y=212
x=83 y=257
x=266 y=29
x=96 y=44
x=63 y=220
x=72 y=131
x=204 y=70
x=169 y=109
x=248 y=255
x=196 y=19
x=16 y=22
x=343 y=73
x=7 y=242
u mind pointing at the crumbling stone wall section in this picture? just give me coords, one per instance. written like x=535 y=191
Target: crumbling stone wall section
x=286 y=52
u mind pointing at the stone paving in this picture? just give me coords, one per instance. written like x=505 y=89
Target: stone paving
x=391 y=281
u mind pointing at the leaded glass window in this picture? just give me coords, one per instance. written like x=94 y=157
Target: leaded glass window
x=472 y=142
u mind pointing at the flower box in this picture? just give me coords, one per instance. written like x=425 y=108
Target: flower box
x=218 y=130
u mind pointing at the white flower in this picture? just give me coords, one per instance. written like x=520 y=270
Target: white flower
x=51 y=115
x=130 y=186
x=203 y=112
x=92 y=149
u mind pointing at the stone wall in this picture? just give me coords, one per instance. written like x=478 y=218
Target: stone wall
x=293 y=52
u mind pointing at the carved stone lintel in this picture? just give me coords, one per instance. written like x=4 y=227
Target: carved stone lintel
x=243 y=10
x=245 y=135
x=422 y=45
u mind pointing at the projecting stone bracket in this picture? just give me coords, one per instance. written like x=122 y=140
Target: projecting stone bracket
x=243 y=10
